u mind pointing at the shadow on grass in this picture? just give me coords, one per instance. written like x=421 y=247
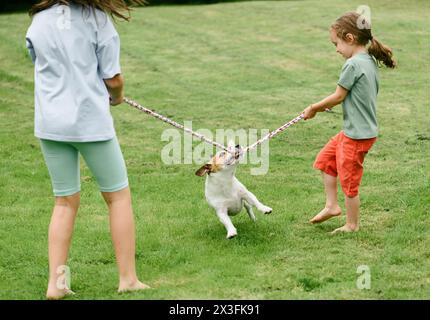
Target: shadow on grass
x=249 y=233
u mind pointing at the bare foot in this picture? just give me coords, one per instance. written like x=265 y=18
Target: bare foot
x=345 y=228
x=326 y=214
x=133 y=287
x=58 y=294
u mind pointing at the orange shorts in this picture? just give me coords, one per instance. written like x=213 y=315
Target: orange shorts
x=344 y=156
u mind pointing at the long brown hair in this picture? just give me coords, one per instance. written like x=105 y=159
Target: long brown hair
x=349 y=23
x=116 y=8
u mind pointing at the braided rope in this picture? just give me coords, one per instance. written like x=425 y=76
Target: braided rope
x=173 y=123
x=203 y=138
x=273 y=133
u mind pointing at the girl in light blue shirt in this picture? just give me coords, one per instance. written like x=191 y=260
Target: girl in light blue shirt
x=77 y=76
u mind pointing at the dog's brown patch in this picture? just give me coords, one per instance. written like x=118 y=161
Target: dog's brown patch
x=207 y=168
x=213 y=166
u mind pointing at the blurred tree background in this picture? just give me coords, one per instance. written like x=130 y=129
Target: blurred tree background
x=25 y=5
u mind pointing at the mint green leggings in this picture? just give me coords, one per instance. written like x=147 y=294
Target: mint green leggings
x=103 y=158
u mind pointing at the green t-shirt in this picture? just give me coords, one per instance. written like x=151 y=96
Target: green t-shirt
x=360 y=77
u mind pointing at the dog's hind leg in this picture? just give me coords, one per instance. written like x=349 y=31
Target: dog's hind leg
x=252 y=200
x=226 y=221
x=248 y=208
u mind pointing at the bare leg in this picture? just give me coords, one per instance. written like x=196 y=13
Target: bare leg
x=352 y=215
x=122 y=230
x=59 y=239
x=226 y=221
x=249 y=210
x=331 y=208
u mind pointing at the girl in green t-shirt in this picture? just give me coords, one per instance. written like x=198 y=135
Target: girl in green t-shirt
x=357 y=89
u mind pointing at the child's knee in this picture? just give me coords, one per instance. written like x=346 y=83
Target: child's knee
x=73 y=201
x=351 y=195
x=120 y=195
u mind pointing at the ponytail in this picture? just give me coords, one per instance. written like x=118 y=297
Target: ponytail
x=382 y=53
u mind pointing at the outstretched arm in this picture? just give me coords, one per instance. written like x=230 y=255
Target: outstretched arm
x=327 y=103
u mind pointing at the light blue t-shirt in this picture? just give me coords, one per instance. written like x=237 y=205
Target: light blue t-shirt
x=73 y=49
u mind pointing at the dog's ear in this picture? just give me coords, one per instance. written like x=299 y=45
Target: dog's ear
x=204 y=169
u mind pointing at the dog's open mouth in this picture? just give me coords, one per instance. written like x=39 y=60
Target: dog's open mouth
x=233 y=157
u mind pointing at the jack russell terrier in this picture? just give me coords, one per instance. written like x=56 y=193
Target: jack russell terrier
x=223 y=190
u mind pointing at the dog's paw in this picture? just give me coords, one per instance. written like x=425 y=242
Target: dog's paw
x=232 y=234
x=266 y=209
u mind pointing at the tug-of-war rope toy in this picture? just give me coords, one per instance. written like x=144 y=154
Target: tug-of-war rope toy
x=203 y=138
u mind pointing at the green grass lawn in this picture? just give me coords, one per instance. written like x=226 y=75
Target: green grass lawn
x=234 y=65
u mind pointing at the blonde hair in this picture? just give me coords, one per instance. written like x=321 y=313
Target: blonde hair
x=348 y=23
